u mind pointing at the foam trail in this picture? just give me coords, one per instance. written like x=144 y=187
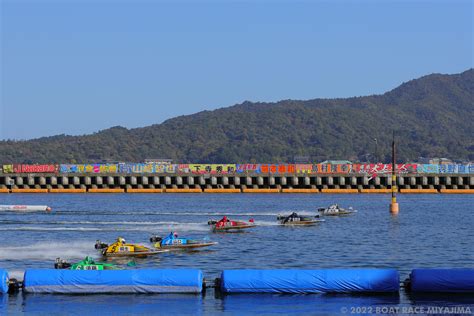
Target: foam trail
x=86 y=229
x=165 y=226
x=98 y=223
x=196 y=213
x=266 y=223
x=49 y=251
x=92 y=223
x=183 y=227
x=306 y=213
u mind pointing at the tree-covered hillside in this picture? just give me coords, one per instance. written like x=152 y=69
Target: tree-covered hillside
x=433 y=116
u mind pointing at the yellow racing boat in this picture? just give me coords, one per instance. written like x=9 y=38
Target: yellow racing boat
x=121 y=249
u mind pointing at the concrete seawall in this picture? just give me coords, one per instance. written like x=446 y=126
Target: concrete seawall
x=291 y=183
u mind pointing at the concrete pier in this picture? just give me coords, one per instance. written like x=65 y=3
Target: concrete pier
x=348 y=183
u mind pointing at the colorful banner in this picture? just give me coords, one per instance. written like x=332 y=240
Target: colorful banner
x=454 y=168
x=274 y=168
x=17 y=168
x=428 y=168
x=246 y=168
x=7 y=168
x=321 y=168
x=164 y=168
x=367 y=169
x=212 y=168
x=335 y=168
x=463 y=169
x=88 y=168
x=146 y=168
x=183 y=168
x=304 y=168
x=63 y=168
x=382 y=168
x=118 y=168
x=407 y=168
x=343 y=168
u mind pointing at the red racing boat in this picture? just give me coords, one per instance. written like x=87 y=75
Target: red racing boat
x=227 y=225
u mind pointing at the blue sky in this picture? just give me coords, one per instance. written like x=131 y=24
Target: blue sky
x=76 y=67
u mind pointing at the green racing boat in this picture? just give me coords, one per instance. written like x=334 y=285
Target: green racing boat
x=87 y=264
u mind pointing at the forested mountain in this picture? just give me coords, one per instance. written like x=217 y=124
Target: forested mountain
x=433 y=116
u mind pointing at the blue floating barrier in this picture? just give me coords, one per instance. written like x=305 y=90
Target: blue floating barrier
x=442 y=280
x=112 y=281
x=310 y=281
x=4 y=281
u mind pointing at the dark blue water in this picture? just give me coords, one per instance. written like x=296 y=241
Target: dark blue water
x=430 y=231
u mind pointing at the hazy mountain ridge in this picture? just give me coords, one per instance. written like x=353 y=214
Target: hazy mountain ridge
x=433 y=116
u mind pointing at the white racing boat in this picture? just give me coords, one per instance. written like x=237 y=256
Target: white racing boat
x=335 y=210
x=25 y=208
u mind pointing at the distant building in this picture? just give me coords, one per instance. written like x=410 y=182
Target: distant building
x=435 y=161
x=337 y=162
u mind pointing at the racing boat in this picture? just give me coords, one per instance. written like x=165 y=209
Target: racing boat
x=172 y=241
x=335 y=210
x=87 y=264
x=227 y=225
x=121 y=249
x=295 y=219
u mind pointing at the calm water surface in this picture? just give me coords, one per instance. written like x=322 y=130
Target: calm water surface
x=430 y=231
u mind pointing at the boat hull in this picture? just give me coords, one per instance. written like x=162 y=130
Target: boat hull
x=137 y=254
x=231 y=228
x=338 y=214
x=189 y=246
x=300 y=223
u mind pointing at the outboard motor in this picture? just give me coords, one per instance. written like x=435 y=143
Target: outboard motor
x=100 y=245
x=211 y=222
x=61 y=264
x=407 y=284
x=14 y=286
x=155 y=239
